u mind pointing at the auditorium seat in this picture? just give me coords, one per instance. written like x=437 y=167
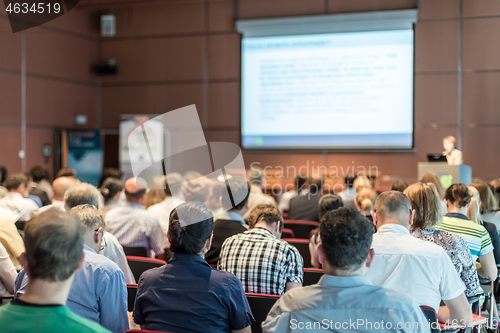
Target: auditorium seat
x=303 y=246
x=431 y=316
x=287 y=233
x=139 y=265
x=300 y=228
x=260 y=304
x=136 y=251
x=131 y=293
x=312 y=276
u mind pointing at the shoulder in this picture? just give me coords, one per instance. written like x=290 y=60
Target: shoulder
x=81 y=324
x=100 y=264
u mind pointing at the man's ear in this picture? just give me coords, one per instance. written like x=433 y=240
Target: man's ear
x=96 y=235
x=369 y=259
x=374 y=217
x=412 y=216
x=208 y=244
x=24 y=261
x=321 y=253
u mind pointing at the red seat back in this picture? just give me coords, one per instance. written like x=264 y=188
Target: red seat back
x=303 y=246
x=301 y=229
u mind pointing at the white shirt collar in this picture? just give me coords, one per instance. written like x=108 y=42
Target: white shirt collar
x=393 y=228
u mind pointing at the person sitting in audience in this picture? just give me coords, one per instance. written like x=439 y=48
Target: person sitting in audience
x=156 y=193
x=187 y=295
x=15 y=200
x=300 y=189
x=364 y=201
x=489 y=204
x=425 y=202
x=478 y=240
x=231 y=222
x=132 y=225
x=348 y=195
x=99 y=291
x=67 y=172
x=12 y=241
x=360 y=183
x=343 y=293
x=408 y=265
x=495 y=189
x=198 y=189
x=3 y=178
x=42 y=308
x=86 y=194
x=306 y=207
x=112 y=173
x=8 y=272
x=60 y=186
x=453 y=155
x=111 y=189
x=255 y=176
x=329 y=202
x=434 y=179
x=40 y=180
x=172 y=190
x=399 y=185
x=260 y=252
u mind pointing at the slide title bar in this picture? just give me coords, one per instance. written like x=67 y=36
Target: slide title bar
x=319 y=24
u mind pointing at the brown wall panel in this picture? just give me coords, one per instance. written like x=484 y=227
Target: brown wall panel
x=335 y=6
x=481 y=8
x=10 y=147
x=10 y=95
x=154 y=99
x=232 y=136
x=436 y=46
x=61 y=55
x=224 y=56
x=178 y=18
x=10 y=47
x=476 y=145
x=481 y=98
x=37 y=137
x=224 y=107
x=156 y=59
x=55 y=103
x=221 y=15
x=265 y=8
x=436 y=99
x=77 y=21
x=481 y=45
x=443 y=9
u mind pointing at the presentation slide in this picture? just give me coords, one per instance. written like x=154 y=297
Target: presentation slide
x=328 y=91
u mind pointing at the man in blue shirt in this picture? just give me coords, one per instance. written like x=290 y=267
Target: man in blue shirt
x=344 y=300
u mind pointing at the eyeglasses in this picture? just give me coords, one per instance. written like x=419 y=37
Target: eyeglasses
x=103 y=240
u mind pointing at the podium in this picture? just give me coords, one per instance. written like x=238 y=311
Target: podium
x=448 y=174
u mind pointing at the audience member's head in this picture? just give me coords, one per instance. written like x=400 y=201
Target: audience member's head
x=110 y=173
x=399 y=185
x=81 y=194
x=198 y=189
x=214 y=200
x=393 y=207
x=365 y=198
x=346 y=239
x=93 y=225
x=434 y=179
x=426 y=204
x=300 y=183
x=3 y=174
x=38 y=174
x=255 y=176
x=473 y=211
x=111 y=189
x=360 y=183
x=496 y=184
x=157 y=191
x=190 y=175
x=314 y=241
x=488 y=201
x=329 y=202
x=190 y=228
x=17 y=182
x=457 y=196
x=349 y=179
x=174 y=181
x=449 y=143
x=267 y=216
x=54 y=246
x=315 y=185
x=239 y=189
x=135 y=190
x=66 y=172
x=60 y=186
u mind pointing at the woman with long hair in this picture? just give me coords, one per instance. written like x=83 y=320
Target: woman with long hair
x=489 y=205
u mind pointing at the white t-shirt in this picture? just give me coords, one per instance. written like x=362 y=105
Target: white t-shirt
x=413 y=267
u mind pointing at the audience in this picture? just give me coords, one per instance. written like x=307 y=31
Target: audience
x=112 y=173
x=399 y=185
x=22 y=209
x=457 y=200
x=364 y=201
x=329 y=202
x=12 y=241
x=348 y=195
x=231 y=222
x=67 y=172
x=3 y=178
x=187 y=295
x=409 y=265
x=99 y=291
x=8 y=273
x=306 y=207
x=425 y=202
x=489 y=204
x=132 y=225
x=40 y=185
x=156 y=192
x=263 y=262
x=255 y=176
x=300 y=189
x=434 y=179
x=111 y=189
x=172 y=189
x=344 y=294
x=42 y=308
x=60 y=186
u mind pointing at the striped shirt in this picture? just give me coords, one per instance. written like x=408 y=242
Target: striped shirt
x=263 y=263
x=477 y=238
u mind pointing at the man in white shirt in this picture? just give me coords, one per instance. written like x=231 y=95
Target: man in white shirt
x=413 y=267
x=60 y=186
x=162 y=209
x=15 y=200
x=257 y=197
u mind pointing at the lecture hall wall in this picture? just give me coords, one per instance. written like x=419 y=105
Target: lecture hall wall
x=175 y=53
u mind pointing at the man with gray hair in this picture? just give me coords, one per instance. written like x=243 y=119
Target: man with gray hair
x=413 y=267
x=87 y=194
x=255 y=177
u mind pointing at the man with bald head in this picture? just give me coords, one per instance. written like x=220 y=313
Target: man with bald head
x=60 y=186
x=413 y=267
x=132 y=225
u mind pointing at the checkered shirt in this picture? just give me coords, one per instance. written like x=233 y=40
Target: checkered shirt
x=263 y=263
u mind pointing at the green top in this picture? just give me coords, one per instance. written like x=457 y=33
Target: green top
x=52 y=319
